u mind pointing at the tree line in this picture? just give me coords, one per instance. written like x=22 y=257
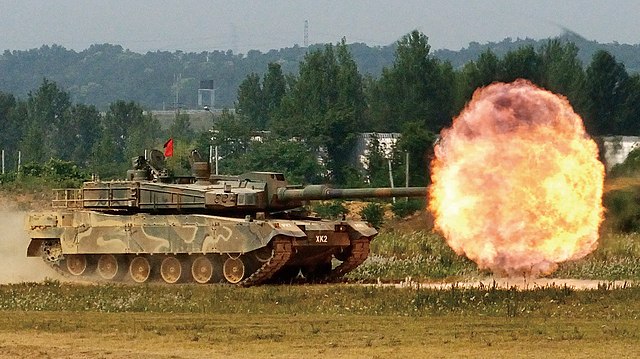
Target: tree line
x=105 y=73
x=329 y=101
x=306 y=123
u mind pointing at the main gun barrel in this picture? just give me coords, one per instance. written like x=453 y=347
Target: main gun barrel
x=319 y=192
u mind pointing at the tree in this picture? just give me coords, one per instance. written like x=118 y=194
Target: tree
x=377 y=173
x=232 y=135
x=293 y=158
x=81 y=131
x=126 y=132
x=606 y=90
x=11 y=128
x=46 y=110
x=417 y=88
x=523 y=63
x=143 y=134
x=251 y=102
x=274 y=89
x=325 y=105
x=479 y=73
x=630 y=113
x=181 y=128
x=418 y=142
x=563 y=73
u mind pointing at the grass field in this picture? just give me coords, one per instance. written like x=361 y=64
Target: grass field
x=326 y=321
x=61 y=320
x=425 y=256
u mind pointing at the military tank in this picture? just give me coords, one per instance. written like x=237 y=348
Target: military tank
x=244 y=230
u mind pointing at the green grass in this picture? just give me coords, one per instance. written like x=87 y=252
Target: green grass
x=490 y=300
x=424 y=255
x=421 y=255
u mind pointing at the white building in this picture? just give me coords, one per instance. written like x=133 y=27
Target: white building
x=386 y=140
x=617 y=148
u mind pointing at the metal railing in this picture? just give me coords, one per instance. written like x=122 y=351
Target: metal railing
x=67 y=198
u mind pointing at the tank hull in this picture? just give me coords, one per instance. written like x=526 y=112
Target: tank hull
x=196 y=247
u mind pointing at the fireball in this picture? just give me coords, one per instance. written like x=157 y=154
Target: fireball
x=516 y=181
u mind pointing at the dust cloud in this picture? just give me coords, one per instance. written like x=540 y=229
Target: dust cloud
x=16 y=267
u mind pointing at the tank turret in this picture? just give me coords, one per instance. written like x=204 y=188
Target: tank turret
x=242 y=229
x=149 y=189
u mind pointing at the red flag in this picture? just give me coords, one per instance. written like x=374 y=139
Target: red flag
x=168 y=148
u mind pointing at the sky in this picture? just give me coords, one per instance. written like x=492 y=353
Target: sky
x=208 y=25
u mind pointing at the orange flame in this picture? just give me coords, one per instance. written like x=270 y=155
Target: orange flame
x=516 y=182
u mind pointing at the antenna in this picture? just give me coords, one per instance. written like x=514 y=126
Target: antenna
x=178 y=80
x=306 y=33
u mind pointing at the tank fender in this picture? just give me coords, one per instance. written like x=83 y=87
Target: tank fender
x=35 y=248
x=361 y=229
x=286 y=228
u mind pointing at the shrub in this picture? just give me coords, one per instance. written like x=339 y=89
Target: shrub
x=330 y=209
x=630 y=167
x=373 y=213
x=403 y=209
x=623 y=210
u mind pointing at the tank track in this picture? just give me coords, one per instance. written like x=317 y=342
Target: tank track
x=53 y=264
x=57 y=269
x=280 y=255
x=359 y=253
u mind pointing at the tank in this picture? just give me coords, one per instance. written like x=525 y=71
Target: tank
x=244 y=230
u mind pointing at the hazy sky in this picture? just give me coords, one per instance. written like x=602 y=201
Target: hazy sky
x=206 y=25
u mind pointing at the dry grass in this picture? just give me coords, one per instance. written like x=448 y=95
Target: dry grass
x=56 y=320
x=144 y=335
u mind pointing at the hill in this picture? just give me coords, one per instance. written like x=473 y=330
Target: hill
x=163 y=80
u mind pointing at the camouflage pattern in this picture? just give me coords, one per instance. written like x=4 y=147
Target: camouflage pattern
x=252 y=225
x=88 y=232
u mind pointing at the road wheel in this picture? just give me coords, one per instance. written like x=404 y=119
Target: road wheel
x=140 y=269
x=233 y=270
x=171 y=270
x=76 y=264
x=202 y=269
x=108 y=267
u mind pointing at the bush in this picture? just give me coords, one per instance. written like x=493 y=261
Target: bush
x=373 y=213
x=330 y=209
x=403 y=209
x=623 y=210
x=53 y=173
x=630 y=167
x=7 y=177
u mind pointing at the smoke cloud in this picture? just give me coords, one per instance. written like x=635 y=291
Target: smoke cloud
x=16 y=267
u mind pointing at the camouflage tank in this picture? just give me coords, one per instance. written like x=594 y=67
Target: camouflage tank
x=245 y=230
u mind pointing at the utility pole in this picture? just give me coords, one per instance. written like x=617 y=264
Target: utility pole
x=306 y=33
x=406 y=172
x=178 y=78
x=391 y=178
x=213 y=150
